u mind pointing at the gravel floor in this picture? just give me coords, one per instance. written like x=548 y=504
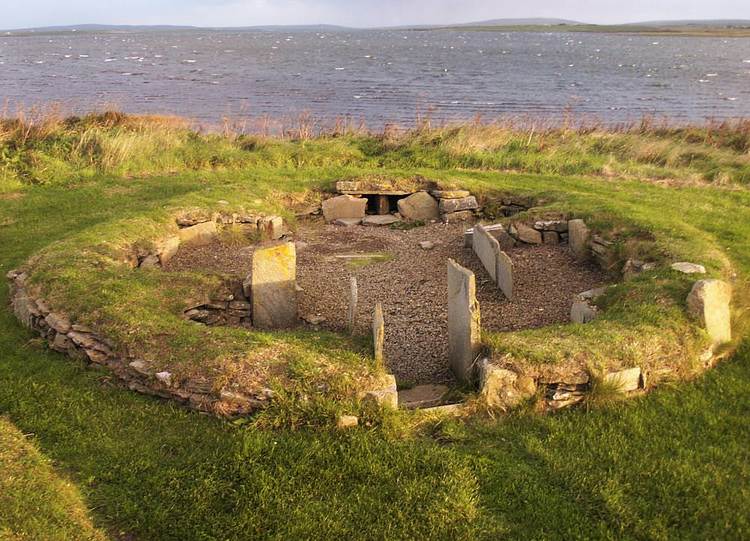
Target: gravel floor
x=411 y=283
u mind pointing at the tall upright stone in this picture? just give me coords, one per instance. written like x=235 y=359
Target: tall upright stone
x=353 y=299
x=487 y=249
x=464 y=321
x=505 y=274
x=382 y=205
x=497 y=263
x=709 y=302
x=274 y=286
x=378 y=334
x=579 y=238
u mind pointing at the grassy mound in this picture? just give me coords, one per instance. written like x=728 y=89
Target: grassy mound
x=673 y=464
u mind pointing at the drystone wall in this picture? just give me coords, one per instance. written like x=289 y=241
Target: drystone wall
x=385 y=203
x=505 y=387
x=86 y=344
x=230 y=304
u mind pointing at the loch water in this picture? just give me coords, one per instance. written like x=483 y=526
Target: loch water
x=378 y=76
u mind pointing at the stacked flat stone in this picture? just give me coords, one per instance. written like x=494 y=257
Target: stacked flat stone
x=551 y=232
x=455 y=205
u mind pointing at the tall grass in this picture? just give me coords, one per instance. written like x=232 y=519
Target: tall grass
x=45 y=146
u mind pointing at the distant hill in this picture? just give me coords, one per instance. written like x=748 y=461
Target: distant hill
x=521 y=22
x=708 y=23
x=696 y=27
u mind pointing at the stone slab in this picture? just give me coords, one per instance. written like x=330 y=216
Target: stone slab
x=491 y=229
x=168 y=249
x=560 y=226
x=582 y=312
x=382 y=204
x=420 y=206
x=448 y=206
x=625 y=380
x=344 y=206
x=378 y=220
x=386 y=395
x=464 y=321
x=455 y=217
x=273 y=285
x=503 y=388
x=709 y=302
x=353 y=301
x=550 y=237
x=688 y=268
x=505 y=274
x=271 y=227
x=450 y=194
x=347 y=222
x=346 y=421
x=355 y=187
x=378 y=334
x=487 y=249
x=199 y=235
x=579 y=239
x=527 y=234
x=422 y=396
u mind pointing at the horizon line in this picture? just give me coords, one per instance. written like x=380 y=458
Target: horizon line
x=514 y=21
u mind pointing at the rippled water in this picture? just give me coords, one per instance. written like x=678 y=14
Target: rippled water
x=379 y=76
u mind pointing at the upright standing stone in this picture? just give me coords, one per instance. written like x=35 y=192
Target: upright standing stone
x=378 y=334
x=499 y=266
x=579 y=239
x=382 y=204
x=464 y=322
x=709 y=302
x=353 y=297
x=487 y=249
x=271 y=227
x=505 y=274
x=274 y=286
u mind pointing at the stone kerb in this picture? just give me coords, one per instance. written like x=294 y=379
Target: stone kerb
x=464 y=322
x=274 y=286
x=497 y=263
x=709 y=303
x=83 y=343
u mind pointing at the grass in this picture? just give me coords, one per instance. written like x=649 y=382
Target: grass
x=39 y=148
x=670 y=465
x=35 y=502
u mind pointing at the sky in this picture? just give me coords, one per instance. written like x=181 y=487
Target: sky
x=358 y=13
